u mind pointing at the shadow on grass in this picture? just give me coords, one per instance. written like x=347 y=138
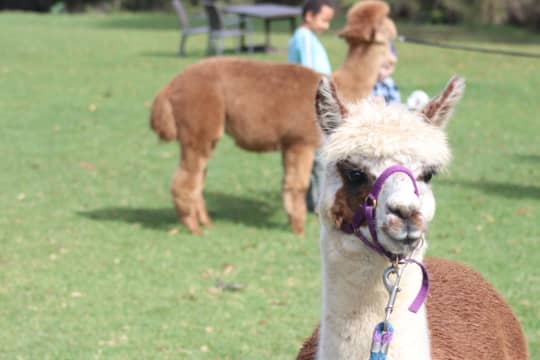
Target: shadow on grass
x=531 y=158
x=222 y=207
x=507 y=190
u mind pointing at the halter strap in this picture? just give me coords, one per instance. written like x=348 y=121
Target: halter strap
x=366 y=212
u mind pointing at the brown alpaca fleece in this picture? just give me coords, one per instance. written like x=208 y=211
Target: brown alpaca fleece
x=265 y=107
x=367 y=22
x=363 y=21
x=462 y=308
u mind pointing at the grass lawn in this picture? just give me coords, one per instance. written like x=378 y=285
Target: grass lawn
x=93 y=263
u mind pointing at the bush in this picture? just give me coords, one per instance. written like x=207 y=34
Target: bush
x=524 y=12
x=144 y=4
x=30 y=5
x=441 y=11
x=46 y=5
x=520 y=12
x=81 y=5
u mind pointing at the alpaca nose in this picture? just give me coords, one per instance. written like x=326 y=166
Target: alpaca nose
x=402 y=211
x=408 y=211
x=404 y=206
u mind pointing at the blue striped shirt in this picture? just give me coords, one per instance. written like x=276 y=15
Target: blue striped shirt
x=388 y=90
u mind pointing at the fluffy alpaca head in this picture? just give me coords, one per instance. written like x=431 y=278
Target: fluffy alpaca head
x=368 y=21
x=364 y=139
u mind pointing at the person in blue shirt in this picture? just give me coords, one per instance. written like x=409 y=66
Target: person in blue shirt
x=306 y=49
x=304 y=46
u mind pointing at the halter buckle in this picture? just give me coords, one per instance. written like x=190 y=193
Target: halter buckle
x=371 y=201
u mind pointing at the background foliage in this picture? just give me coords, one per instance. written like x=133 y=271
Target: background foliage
x=521 y=12
x=518 y=12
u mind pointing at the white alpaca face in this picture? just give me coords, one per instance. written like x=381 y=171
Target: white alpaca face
x=401 y=216
x=366 y=138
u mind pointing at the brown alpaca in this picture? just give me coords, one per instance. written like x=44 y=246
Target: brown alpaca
x=464 y=317
x=265 y=107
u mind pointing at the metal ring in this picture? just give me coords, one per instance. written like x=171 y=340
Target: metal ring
x=370 y=201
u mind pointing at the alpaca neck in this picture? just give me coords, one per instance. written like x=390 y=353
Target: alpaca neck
x=358 y=75
x=370 y=56
x=354 y=299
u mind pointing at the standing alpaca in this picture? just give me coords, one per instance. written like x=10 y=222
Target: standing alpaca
x=264 y=107
x=375 y=149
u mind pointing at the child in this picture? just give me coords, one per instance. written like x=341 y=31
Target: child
x=304 y=46
x=306 y=49
x=385 y=86
x=387 y=89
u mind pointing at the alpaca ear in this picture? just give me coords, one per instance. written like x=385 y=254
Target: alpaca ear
x=330 y=110
x=358 y=33
x=382 y=32
x=386 y=31
x=438 y=111
x=368 y=21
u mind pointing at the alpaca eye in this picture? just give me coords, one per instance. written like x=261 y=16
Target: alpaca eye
x=426 y=177
x=356 y=177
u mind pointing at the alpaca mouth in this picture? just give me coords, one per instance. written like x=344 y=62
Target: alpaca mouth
x=405 y=248
x=411 y=241
x=404 y=244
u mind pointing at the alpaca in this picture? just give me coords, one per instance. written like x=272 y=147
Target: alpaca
x=464 y=317
x=265 y=107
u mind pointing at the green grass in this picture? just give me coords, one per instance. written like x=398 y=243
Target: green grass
x=93 y=263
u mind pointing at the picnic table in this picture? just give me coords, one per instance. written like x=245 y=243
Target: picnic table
x=268 y=13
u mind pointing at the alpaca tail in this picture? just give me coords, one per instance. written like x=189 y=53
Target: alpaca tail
x=162 y=118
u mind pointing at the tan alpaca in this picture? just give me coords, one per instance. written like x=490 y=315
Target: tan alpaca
x=465 y=318
x=265 y=107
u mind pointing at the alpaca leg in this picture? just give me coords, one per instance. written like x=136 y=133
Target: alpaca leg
x=200 y=125
x=202 y=213
x=297 y=162
x=187 y=188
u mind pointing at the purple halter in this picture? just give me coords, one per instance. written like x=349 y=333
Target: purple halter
x=366 y=212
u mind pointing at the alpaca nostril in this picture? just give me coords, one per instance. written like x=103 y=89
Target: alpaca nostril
x=399 y=212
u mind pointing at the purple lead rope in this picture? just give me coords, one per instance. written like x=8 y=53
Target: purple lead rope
x=424 y=289
x=366 y=212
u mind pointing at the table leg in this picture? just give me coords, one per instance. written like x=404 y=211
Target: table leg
x=242 y=24
x=292 y=24
x=267 y=34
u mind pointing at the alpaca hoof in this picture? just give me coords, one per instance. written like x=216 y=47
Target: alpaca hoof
x=298 y=230
x=193 y=226
x=206 y=222
x=297 y=225
x=197 y=231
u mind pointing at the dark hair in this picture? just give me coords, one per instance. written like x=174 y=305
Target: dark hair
x=315 y=6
